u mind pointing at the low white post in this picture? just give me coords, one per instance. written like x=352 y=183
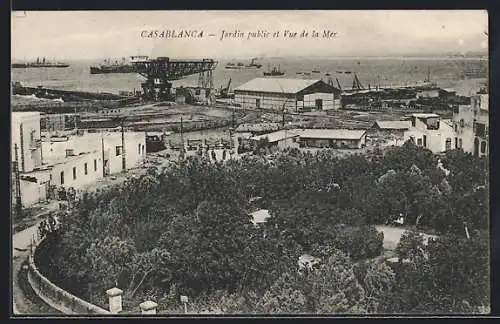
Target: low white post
x=115 y=300
x=184 y=300
x=148 y=307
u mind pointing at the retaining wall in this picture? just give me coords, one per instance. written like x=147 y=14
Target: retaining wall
x=53 y=295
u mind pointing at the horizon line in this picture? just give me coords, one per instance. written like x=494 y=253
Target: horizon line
x=467 y=55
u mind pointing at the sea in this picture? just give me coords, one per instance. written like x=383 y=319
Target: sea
x=381 y=71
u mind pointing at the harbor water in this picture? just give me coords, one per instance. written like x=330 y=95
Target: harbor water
x=446 y=72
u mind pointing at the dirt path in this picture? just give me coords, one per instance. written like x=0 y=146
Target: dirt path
x=25 y=300
x=392 y=236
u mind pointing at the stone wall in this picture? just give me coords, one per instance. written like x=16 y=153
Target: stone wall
x=53 y=295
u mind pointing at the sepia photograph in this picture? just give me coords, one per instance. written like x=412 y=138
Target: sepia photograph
x=250 y=163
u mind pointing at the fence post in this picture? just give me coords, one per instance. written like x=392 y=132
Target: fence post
x=148 y=307
x=115 y=300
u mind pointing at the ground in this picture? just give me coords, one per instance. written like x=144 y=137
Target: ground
x=392 y=236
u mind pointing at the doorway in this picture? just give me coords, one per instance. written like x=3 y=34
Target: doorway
x=319 y=104
x=476 y=147
x=106 y=167
x=257 y=103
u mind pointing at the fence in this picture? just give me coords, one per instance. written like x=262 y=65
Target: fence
x=53 y=295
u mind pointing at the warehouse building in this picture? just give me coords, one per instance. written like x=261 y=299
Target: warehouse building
x=281 y=139
x=294 y=95
x=333 y=138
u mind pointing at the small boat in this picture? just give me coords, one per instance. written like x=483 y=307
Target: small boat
x=327 y=74
x=239 y=66
x=347 y=72
x=299 y=72
x=274 y=72
x=254 y=64
x=316 y=71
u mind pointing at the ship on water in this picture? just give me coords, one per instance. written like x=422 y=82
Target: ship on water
x=39 y=63
x=123 y=66
x=275 y=71
x=253 y=65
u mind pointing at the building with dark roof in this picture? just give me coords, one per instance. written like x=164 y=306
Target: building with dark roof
x=294 y=95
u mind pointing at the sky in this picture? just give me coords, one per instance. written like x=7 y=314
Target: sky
x=73 y=35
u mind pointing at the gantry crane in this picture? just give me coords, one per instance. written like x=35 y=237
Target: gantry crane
x=160 y=71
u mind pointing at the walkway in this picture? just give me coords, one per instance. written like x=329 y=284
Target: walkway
x=392 y=236
x=24 y=299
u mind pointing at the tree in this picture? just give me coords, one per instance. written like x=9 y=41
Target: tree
x=377 y=280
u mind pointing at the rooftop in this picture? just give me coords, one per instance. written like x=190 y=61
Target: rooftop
x=260 y=127
x=393 y=124
x=308 y=261
x=275 y=85
x=260 y=216
x=425 y=116
x=61 y=160
x=332 y=133
x=25 y=114
x=276 y=136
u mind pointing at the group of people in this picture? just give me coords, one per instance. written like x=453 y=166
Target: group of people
x=49 y=225
x=61 y=193
x=211 y=154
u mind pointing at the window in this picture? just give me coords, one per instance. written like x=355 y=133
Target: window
x=74 y=173
x=459 y=143
x=50 y=177
x=425 y=140
x=448 y=144
x=32 y=139
x=139 y=149
x=413 y=122
x=118 y=150
x=85 y=170
x=419 y=142
x=462 y=123
x=483 y=147
x=142 y=149
x=62 y=177
x=456 y=142
x=95 y=165
x=456 y=128
x=480 y=130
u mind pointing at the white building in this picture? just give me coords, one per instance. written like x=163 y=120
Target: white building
x=26 y=138
x=78 y=160
x=294 y=95
x=108 y=144
x=429 y=131
x=471 y=124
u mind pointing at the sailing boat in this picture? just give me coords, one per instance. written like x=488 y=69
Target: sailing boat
x=427 y=80
x=356 y=85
